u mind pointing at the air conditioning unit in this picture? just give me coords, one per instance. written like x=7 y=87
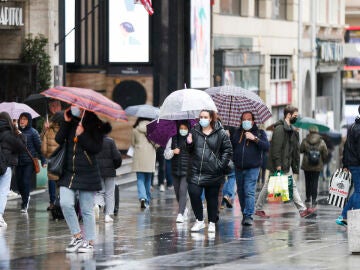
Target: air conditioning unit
x=58 y=75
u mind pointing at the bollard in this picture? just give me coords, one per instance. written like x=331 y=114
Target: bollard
x=353 y=219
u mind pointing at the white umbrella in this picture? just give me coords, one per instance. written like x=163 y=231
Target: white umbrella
x=186 y=104
x=14 y=109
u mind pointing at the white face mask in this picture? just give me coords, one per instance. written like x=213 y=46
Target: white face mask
x=183 y=132
x=75 y=111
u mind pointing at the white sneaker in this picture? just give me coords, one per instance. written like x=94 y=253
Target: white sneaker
x=162 y=188
x=96 y=211
x=108 y=219
x=86 y=247
x=199 y=225
x=211 y=228
x=180 y=218
x=74 y=244
x=2 y=222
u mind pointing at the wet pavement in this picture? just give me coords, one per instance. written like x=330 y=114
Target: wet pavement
x=150 y=239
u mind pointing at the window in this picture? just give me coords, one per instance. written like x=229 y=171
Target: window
x=257 y=8
x=230 y=7
x=279 y=9
x=280 y=68
x=247 y=78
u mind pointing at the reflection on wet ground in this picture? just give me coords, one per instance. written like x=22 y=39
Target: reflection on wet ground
x=150 y=239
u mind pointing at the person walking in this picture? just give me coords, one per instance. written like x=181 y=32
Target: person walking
x=109 y=160
x=25 y=169
x=177 y=153
x=248 y=143
x=210 y=150
x=143 y=161
x=315 y=153
x=284 y=154
x=351 y=162
x=11 y=145
x=82 y=133
x=49 y=145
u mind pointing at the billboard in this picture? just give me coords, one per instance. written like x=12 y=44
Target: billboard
x=352 y=36
x=128 y=32
x=200 y=23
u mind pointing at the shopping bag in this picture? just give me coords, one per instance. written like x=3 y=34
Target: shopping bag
x=280 y=187
x=339 y=188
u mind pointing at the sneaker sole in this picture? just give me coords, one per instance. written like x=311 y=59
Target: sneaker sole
x=197 y=230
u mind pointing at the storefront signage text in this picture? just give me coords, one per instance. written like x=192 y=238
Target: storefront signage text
x=11 y=16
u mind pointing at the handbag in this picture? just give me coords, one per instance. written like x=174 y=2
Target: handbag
x=56 y=161
x=280 y=187
x=339 y=187
x=35 y=162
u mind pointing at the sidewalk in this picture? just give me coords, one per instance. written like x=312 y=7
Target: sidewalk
x=150 y=239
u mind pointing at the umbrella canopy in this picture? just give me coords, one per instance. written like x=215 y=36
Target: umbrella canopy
x=144 y=110
x=232 y=101
x=333 y=136
x=87 y=99
x=186 y=104
x=308 y=122
x=160 y=131
x=38 y=102
x=14 y=109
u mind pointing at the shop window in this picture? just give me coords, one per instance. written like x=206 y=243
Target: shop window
x=247 y=78
x=279 y=9
x=280 y=68
x=230 y=7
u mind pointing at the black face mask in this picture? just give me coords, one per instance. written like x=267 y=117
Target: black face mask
x=293 y=120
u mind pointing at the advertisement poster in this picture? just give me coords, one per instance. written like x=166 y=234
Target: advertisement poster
x=200 y=23
x=128 y=32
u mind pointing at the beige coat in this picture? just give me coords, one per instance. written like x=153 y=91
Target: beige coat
x=144 y=152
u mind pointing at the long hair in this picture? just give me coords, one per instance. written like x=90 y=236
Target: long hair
x=213 y=116
x=5 y=116
x=141 y=119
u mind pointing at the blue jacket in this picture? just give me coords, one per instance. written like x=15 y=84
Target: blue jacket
x=248 y=154
x=33 y=143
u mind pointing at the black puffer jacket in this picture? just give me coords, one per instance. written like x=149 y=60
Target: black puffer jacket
x=206 y=167
x=180 y=163
x=109 y=158
x=81 y=170
x=351 y=152
x=11 y=145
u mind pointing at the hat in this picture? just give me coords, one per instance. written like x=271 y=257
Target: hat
x=313 y=129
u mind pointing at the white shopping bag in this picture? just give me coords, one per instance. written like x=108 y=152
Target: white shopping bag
x=130 y=151
x=339 y=188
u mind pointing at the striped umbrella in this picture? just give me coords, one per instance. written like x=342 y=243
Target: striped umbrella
x=232 y=101
x=87 y=99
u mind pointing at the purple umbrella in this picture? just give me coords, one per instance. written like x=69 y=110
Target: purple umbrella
x=160 y=131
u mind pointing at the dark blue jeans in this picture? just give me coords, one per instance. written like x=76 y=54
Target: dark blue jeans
x=52 y=190
x=354 y=200
x=24 y=175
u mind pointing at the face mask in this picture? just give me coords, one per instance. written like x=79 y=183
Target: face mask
x=204 y=122
x=293 y=120
x=246 y=124
x=75 y=111
x=183 y=132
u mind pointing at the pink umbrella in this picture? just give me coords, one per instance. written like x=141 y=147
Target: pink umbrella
x=14 y=109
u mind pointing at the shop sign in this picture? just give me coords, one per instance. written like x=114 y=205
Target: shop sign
x=10 y=16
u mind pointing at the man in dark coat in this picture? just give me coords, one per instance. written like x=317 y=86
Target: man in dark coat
x=248 y=143
x=284 y=154
x=351 y=162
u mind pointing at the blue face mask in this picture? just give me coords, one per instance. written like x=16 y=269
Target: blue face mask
x=183 y=132
x=75 y=111
x=246 y=124
x=204 y=122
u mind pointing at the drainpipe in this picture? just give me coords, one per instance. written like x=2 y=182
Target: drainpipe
x=313 y=57
x=299 y=80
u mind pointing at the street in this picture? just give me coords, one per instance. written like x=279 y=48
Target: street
x=150 y=239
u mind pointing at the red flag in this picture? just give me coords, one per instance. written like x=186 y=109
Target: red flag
x=148 y=6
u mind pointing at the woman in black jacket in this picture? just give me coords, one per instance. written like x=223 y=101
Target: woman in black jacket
x=210 y=150
x=11 y=145
x=82 y=133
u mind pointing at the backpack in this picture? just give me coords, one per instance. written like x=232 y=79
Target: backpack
x=3 y=163
x=314 y=156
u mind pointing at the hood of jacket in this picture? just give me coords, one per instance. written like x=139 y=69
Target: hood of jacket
x=28 y=116
x=4 y=125
x=283 y=123
x=141 y=127
x=313 y=138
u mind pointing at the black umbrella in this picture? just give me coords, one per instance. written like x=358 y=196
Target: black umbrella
x=332 y=137
x=38 y=102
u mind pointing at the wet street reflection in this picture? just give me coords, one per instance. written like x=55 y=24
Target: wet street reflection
x=150 y=239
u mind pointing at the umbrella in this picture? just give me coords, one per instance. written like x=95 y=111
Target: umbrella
x=38 y=102
x=14 y=109
x=333 y=136
x=143 y=110
x=232 y=101
x=186 y=104
x=87 y=99
x=308 y=122
x=160 y=131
